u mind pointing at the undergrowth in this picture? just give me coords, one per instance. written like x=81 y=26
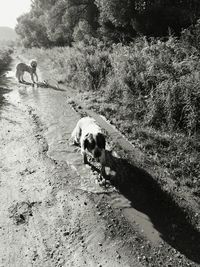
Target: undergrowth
x=5 y=59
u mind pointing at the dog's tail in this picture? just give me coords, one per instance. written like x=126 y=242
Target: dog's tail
x=76 y=134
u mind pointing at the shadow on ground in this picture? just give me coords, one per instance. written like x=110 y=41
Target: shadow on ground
x=44 y=85
x=146 y=196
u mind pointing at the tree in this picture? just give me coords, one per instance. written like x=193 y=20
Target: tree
x=115 y=18
x=57 y=21
x=60 y=22
x=32 y=31
x=124 y=19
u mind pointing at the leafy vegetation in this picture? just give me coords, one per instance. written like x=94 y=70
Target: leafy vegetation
x=63 y=22
x=5 y=58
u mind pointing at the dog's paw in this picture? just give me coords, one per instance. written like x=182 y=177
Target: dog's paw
x=102 y=182
x=85 y=161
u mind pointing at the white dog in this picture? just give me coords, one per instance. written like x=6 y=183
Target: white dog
x=90 y=137
x=22 y=67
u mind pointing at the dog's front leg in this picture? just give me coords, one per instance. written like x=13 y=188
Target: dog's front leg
x=85 y=158
x=103 y=172
x=22 y=77
x=32 y=78
x=83 y=149
x=83 y=152
x=36 y=76
x=103 y=163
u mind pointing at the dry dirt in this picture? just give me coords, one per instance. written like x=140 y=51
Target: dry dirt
x=55 y=211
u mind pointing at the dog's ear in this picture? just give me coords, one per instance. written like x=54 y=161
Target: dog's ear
x=89 y=142
x=101 y=141
x=85 y=143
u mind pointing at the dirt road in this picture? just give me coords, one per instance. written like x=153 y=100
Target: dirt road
x=54 y=212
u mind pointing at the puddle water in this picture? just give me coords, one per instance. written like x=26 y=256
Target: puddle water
x=57 y=120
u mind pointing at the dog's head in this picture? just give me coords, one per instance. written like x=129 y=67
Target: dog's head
x=33 y=63
x=95 y=144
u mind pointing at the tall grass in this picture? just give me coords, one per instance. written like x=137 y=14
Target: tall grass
x=162 y=79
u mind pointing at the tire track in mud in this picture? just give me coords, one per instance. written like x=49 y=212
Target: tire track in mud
x=39 y=128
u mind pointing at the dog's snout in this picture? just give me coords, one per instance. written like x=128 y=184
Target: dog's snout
x=97 y=153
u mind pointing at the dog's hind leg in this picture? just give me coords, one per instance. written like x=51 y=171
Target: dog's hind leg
x=75 y=136
x=84 y=157
x=32 y=78
x=18 y=75
x=22 y=77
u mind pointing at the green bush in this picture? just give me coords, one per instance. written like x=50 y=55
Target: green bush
x=159 y=83
x=89 y=66
x=5 y=59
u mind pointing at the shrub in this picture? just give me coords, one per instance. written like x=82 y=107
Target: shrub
x=5 y=59
x=159 y=81
x=89 y=66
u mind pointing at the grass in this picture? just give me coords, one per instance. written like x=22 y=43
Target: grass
x=148 y=89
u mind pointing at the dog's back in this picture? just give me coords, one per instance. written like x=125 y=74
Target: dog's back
x=84 y=126
x=89 y=125
x=22 y=67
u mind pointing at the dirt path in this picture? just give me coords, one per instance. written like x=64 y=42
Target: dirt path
x=54 y=211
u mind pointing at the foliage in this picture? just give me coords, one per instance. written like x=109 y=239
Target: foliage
x=5 y=58
x=62 y=22
x=51 y=23
x=191 y=36
x=161 y=81
x=32 y=31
